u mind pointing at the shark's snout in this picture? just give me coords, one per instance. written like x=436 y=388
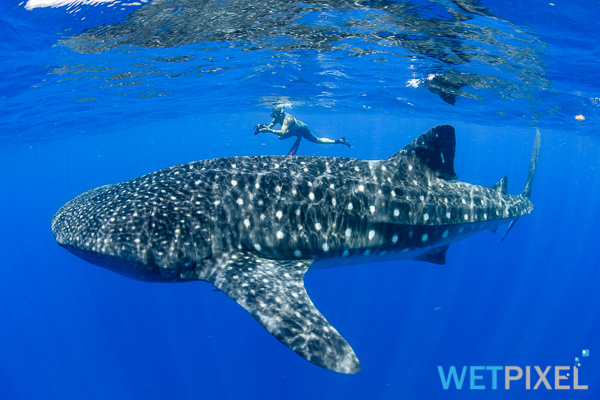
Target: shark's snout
x=140 y=236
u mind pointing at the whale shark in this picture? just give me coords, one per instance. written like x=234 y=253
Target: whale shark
x=253 y=226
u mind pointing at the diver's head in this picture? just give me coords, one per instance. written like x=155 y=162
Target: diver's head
x=278 y=111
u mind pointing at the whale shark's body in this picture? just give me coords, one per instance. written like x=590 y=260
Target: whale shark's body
x=252 y=226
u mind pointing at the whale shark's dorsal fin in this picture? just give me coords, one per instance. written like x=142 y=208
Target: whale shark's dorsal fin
x=435 y=149
x=502 y=186
x=273 y=292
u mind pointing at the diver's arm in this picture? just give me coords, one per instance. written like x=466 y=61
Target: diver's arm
x=271 y=124
x=284 y=127
x=261 y=128
x=265 y=127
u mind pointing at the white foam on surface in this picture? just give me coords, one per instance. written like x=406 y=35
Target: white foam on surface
x=31 y=4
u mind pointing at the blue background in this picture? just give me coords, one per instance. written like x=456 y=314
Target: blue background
x=72 y=330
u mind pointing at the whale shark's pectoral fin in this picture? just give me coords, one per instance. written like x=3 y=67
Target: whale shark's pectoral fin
x=273 y=292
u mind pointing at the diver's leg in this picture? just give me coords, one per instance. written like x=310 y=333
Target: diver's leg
x=329 y=141
x=308 y=135
x=343 y=141
x=323 y=140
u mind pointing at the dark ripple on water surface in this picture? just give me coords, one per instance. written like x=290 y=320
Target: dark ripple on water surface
x=414 y=40
x=181 y=57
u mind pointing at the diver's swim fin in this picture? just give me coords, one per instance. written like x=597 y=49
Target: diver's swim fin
x=294 y=148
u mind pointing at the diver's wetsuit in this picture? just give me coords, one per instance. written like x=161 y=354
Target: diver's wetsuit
x=300 y=129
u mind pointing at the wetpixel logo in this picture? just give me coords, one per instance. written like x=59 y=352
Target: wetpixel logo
x=490 y=377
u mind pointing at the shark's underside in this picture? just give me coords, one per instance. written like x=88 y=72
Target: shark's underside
x=252 y=226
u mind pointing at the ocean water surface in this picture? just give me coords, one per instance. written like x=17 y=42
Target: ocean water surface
x=95 y=92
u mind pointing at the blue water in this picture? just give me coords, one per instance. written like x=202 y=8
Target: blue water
x=98 y=94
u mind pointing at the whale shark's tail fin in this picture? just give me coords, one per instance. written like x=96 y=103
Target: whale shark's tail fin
x=532 y=165
x=528 y=185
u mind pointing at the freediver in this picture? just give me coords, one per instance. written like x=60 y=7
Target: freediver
x=290 y=126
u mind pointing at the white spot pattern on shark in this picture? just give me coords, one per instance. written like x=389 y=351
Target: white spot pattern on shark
x=253 y=226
